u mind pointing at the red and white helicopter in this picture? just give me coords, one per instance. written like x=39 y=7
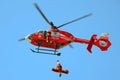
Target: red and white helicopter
x=59 y=69
x=56 y=38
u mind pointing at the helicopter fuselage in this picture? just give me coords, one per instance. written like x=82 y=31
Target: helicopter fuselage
x=56 y=39
x=53 y=38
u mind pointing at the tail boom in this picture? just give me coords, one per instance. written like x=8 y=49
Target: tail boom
x=102 y=42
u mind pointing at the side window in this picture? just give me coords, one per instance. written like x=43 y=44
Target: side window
x=54 y=33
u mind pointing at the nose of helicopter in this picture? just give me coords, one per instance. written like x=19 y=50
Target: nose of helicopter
x=29 y=37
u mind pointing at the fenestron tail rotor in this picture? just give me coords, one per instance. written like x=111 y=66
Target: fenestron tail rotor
x=75 y=20
x=43 y=15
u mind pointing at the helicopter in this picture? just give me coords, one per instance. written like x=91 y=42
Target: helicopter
x=55 y=39
x=59 y=69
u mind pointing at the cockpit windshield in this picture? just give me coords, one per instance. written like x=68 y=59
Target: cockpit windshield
x=52 y=33
x=41 y=31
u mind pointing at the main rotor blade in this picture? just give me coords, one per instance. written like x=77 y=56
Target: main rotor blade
x=75 y=20
x=40 y=11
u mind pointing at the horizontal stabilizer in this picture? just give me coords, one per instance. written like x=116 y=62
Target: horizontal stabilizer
x=91 y=42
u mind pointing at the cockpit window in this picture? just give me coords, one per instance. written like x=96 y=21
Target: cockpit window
x=40 y=31
x=30 y=36
x=53 y=33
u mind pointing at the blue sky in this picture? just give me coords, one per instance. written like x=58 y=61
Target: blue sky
x=19 y=18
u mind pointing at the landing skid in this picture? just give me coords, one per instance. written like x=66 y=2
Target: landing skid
x=52 y=52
